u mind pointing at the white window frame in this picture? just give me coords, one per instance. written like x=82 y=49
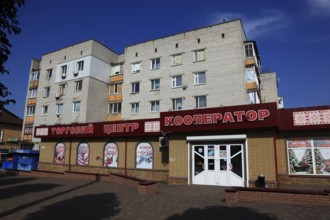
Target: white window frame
x=177 y=104
x=135 y=107
x=175 y=81
x=199 y=55
x=252 y=97
x=155 y=63
x=80 y=65
x=249 y=50
x=44 y=110
x=78 y=86
x=154 y=106
x=46 y=92
x=197 y=78
x=62 y=88
x=33 y=93
x=136 y=87
x=198 y=101
x=35 y=75
x=64 y=70
x=76 y=106
x=177 y=59
x=30 y=110
x=114 y=108
x=136 y=67
x=250 y=74
x=59 y=109
x=154 y=85
x=28 y=128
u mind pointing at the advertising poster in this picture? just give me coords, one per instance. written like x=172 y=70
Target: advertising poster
x=59 y=153
x=144 y=156
x=111 y=155
x=322 y=156
x=83 y=154
x=300 y=156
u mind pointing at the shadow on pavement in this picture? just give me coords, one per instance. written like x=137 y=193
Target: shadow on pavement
x=97 y=206
x=25 y=189
x=12 y=181
x=221 y=212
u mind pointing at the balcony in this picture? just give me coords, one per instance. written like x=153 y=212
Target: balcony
x=29 y=119
x=32 y=101
x=115 y=98
x=34 y=84
x=116 y=78
x=116 y=117
x=251 y=86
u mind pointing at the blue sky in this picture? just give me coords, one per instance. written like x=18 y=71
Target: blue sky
x=293 y=37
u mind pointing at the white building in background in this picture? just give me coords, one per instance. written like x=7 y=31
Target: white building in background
x=208 y=67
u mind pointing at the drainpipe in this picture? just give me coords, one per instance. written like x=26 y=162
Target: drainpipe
x=70 y=155
x=125 y=156
x=275 y=157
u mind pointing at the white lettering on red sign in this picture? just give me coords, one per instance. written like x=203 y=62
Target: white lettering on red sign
x=79 y=129
x=119 y=128
x=214 y=118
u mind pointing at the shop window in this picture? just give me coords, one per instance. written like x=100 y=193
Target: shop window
x=144 y=156
x=83 y=154
x=309 y=156
x=59 y=153
x=110 y=155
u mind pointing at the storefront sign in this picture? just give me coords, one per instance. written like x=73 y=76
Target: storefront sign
x=317 y=117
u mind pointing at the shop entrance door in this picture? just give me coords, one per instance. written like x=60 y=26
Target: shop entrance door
x=221 y=165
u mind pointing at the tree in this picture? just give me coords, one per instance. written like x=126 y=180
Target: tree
x=8 y=25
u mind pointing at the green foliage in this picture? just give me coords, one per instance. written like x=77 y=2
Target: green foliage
x=8 y=25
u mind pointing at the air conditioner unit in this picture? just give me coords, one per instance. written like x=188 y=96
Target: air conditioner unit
x=63 y=75
x=75 y=73
x=57 y=96
x=163 y=142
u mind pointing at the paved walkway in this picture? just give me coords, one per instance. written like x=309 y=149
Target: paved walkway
x=24 y=197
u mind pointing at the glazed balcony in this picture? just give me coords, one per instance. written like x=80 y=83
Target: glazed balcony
x=117 y=78
x=115 y=98
x=34 y=84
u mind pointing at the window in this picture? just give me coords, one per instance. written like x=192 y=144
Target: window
x=63 y=71
x=49 y=74
x=309 y=156
x=110 y=155
x=44 y=110
x=75 y=106
x=59 y=109
x=33 y=93
x=200 y=78
x=114 y=108
x=155 y=63
x=177 y=103
x=116 y=88
x=249 y=50
x=200 y=101
x=136 y=87
x=80 y=65
x=62 y=89
x=30 y=110
x=46 y=92
x=35 y=75
x=155 y=84
x=154 y=106
x=250 y=74
x=144 y=156
x=78 y=86
x=136 y=67
x=199 y=55
x=134 y=108
x=176 y=81
x=176 y=59
x=28 y=129
x=116 y=69
x=252 y=99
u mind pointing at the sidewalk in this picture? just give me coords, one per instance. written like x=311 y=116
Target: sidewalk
x=25 y=197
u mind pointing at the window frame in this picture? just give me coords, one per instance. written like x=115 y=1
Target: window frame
x=156 y=107
x=174 y=81
x=154 y=84
x=197 y=78
x=135 y=106
x=49 y=74
x=28 y=129
x=174 y=59
x=44 y=110
x=76 y=106
x=59 y=109
x=135 y=87
x=35 y=75
x=134 y=69
x=80 y=65
x=31 y=110
x=33 y=93
x=64 y=70
x=46 y=92
x=249 y=50
x=198 y=101
x=197 y=55
x=78 y=86
x=112 y=107
x=175 y=106
x=62 y=88
x=154 y=65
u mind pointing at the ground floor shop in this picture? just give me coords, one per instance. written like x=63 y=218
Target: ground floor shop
x=228 y=146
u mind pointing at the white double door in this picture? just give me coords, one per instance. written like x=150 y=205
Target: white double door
x=221 y=164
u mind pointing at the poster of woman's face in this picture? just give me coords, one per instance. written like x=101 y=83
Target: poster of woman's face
x=59 y=153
